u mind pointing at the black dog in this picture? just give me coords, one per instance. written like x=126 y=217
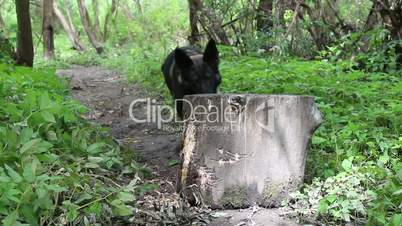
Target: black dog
x=188 y=71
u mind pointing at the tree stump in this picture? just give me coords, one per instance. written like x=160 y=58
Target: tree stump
x=242 y=150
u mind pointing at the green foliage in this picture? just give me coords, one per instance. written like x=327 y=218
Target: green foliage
x=372 y=51
x=382 y=53
x=6 y=49
x=357 y=194
x=343 y=197
x=354 y=12
x=54 y=166
x=362 y=113
x=386 y=209
x=361 y=110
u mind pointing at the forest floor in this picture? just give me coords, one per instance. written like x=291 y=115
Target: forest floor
x=107 y=95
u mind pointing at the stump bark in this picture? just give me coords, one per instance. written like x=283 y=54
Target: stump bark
x=242 y=150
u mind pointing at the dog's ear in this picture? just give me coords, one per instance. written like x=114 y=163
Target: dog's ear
x=211 y=54
x=182 y=60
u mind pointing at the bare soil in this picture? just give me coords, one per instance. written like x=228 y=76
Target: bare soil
x=108 y=96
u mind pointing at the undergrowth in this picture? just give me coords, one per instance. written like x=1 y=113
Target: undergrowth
x=55 y=167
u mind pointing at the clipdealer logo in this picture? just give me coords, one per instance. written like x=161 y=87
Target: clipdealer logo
x=224 y=114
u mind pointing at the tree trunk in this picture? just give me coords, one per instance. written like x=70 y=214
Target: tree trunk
x=215 y=26
x=293 y=24
x=48 y=30
x=86 y=23
x=2 y=24
x=110 y=13
x=264 y=15
x=139 y=6
x=96 y=25
x=127 y=13
x=194 y=6
x=316 y=30
x=25 y=51
x=392 y=19
x=244 y=149
x=69 y=7
x=69 y=29
x=334 y=6
x=373 y=19
x=280 y=13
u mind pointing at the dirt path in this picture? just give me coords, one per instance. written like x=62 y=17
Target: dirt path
x=108 y=98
